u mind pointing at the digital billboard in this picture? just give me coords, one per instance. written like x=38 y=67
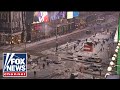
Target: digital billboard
x=41 y=16
x=69 y=14
x=75 y=14
x=57 y=15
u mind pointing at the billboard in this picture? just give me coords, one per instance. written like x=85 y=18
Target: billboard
x=75 y=14
x=57 y=15
x=41 y=16
x=69 y=15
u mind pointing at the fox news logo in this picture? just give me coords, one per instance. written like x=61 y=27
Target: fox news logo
x=15 y=65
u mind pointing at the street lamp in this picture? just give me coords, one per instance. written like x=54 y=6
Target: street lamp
x=116 y=50
x=107 y=74
x=114 y=55
x=109 y=69
x=113 y=58
x=119 y=44
x=112 y=63
x=117 y=47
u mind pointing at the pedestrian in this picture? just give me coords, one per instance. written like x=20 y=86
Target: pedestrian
x=34 y=73
x=67 y=45
x=43 y=65
x=101 y=45
x=78 y=41
x=46 y=58
x=98 y=40
x=103 y=42
x=93 y=77
x=95 y=43
x=37 y=62
x=75 y=46
x=47 y=63
x=86 y=40
x=28 y=55
x=103 y=48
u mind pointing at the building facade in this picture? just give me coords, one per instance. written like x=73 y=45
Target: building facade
x=11 y=26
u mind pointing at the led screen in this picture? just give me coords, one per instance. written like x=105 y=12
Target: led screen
x=69 y=15
x=57 y=15
x=41 y=16
x=75 y=14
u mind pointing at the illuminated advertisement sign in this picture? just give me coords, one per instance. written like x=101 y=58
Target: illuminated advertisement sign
x=75 y=14
x=57 y=15
x=69 y=15
x=41 y=16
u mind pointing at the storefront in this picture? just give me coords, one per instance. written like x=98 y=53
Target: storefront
x=37 y=32
x=8 y=39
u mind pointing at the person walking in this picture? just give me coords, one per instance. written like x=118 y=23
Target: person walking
x=101 y=45
x=43 y=66
x=101 y=50
x=75 y=46
x=34 y=73
x=103 y=42
x=47 y=63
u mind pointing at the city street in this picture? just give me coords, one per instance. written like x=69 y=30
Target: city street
x=68 y=66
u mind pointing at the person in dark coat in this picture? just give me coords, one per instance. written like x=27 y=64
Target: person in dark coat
x=47 y=63
x=43 y=65
x=103 y=42
x=34 y=73
x=101 y=45
x=75 y=46
x=101 y=49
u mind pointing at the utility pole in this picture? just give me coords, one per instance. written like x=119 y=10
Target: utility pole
x=56 y=40
x=25 y=34
x=11 y=30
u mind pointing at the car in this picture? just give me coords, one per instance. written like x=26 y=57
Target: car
x=57 y=62
x=97 y=60
x=96 y=67
x=80 y=57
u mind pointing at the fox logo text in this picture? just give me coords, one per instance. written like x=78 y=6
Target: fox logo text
x=14 y=65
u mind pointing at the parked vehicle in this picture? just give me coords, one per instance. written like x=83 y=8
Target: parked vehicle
x=96 y=67
x=91 y=59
